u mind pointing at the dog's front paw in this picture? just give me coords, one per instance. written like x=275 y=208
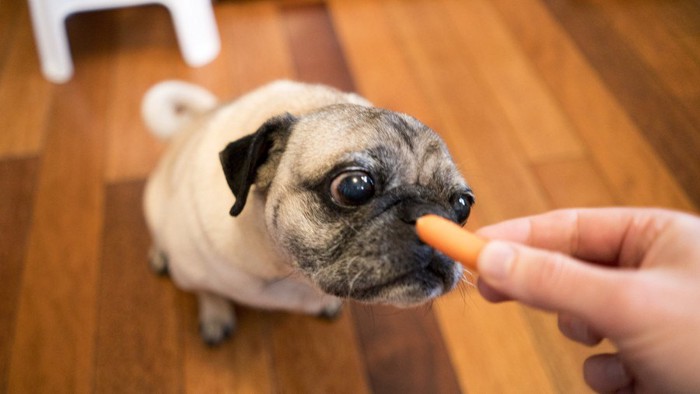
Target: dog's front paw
x=158 y=261
x=216 y=318
x=332 y=310
x=214 y=332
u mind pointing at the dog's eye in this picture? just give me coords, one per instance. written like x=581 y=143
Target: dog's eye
x=462 y=205
x=352 y=188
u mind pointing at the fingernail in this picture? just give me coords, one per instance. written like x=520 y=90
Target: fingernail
x=577 y=329
x=616 y=372
x=496 y=260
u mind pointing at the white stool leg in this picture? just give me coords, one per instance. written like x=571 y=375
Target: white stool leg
x=52 y=41
x=196 y=30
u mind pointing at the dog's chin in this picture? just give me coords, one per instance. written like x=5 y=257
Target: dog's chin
x=403 y=292
x=411 y=288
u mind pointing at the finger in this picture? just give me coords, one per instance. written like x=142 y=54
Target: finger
x=578 y=330
x=605 y=373
x=597 y=235
x=549 y=280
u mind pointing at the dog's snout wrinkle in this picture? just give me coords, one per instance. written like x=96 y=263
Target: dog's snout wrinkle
x=412 y=210
x=412 y=201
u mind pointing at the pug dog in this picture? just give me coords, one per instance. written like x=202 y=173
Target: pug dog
x=295 y=197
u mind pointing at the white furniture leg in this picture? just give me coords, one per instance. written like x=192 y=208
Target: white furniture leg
x=52 y=41
x=194 y=21
x=195 y=26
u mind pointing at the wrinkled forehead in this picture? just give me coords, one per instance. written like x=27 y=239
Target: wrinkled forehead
x=372 y=139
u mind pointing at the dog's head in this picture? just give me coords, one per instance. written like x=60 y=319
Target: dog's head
x=344 y=186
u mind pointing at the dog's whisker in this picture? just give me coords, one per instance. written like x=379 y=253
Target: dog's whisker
x=350 y=226
x=463 y=290
x=351 y=285
x=467 y=278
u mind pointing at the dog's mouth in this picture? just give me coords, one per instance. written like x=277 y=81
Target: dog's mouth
x=410 y=288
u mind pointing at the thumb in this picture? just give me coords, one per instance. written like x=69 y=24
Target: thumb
x=547 y=280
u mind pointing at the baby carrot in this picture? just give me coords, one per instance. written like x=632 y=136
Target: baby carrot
x=451 y=239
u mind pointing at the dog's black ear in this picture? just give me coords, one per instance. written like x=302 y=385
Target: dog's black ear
x=242 y=158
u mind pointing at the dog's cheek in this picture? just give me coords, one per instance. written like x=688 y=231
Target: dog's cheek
x=298 y=225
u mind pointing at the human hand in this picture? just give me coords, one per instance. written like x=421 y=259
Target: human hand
x=630 y=275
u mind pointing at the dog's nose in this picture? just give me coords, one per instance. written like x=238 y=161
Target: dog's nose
x=412 y=210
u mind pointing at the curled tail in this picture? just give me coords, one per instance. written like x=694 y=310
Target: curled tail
x=170 y=105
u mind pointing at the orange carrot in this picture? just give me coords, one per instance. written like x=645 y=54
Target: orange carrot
x=451 y=239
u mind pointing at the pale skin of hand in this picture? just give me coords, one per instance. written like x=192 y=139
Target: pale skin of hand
x=631 y=275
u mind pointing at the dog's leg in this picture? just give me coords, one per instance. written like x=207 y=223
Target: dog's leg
x=216 y=318
x=331 y=310
x=158 y=260
x=292 y=295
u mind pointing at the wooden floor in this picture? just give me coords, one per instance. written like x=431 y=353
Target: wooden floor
x=544 y=104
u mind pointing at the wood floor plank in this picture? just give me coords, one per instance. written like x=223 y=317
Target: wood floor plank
x=670 y=129
x=627 y=161
x=315 y=356
x=54 y=338
x=142 y=36
x=137 y=346
x=257 y=49
x=9 y=16
x=539 y=123
x=24 y=93
x=574 y=183
x=657 y=39
x=381 y=71
x=562 y=358
x=684 y=18
x=397 y=342
x=657 y=44
x=490 y=345
x=311 y=35
x=17 y=183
